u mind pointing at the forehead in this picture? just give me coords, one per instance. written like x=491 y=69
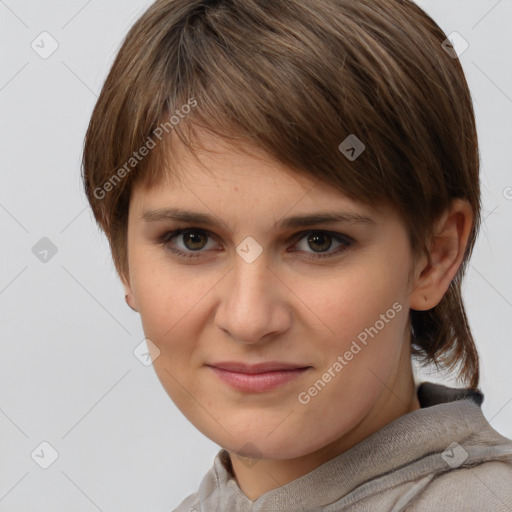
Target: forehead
x=216 y=172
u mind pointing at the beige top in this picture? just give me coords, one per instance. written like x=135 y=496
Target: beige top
x=442 y=457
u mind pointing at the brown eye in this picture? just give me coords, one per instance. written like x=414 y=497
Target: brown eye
x=322 y=244
x=188 y=242
x=319 y=242
x=195 y=240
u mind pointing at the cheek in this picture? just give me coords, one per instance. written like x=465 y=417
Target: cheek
x=360 y=316
x=160 y=296
x=351 y=299
x=170 y=306
x=173 y=316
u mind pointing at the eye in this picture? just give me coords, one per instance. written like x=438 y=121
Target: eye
x=192 y=242
x=321 y=241
x=188 y=241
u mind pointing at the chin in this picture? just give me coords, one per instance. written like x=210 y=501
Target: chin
x=278 y=447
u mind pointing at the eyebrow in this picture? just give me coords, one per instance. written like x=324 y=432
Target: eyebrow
x=188 y=216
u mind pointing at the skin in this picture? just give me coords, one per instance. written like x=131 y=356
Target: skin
x=284 y=306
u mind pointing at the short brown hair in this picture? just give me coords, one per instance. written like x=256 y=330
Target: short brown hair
x=295 y=78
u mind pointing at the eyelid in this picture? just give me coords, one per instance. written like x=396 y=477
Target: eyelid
x=333 y=234
x=345 y=242
x=167 y=236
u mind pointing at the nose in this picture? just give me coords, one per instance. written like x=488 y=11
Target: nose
x=253 y=303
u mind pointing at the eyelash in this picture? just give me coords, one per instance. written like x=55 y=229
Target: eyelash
x=165 y=241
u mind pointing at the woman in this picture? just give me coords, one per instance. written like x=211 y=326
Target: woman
x=290 y=191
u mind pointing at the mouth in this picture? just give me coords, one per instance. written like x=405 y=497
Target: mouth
x=258 y=377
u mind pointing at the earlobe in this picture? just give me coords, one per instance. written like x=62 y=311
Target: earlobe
x=447 y=249
x=128 y=297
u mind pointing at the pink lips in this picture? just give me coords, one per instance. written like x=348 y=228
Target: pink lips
x=258 y=377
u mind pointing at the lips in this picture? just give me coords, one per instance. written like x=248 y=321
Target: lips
x=257 y=378
x=272 y=366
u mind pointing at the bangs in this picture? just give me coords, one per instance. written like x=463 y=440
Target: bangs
x=279 y=84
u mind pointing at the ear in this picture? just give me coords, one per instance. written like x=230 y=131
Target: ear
x=447 y=248
x=128 y=292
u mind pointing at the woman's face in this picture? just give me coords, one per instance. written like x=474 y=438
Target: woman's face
x=255 y=278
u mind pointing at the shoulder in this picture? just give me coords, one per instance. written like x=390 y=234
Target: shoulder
x=486 y=486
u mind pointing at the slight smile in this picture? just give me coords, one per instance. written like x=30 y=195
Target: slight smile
x=257 y=377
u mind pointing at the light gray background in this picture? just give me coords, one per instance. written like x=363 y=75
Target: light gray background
x=67 y=372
